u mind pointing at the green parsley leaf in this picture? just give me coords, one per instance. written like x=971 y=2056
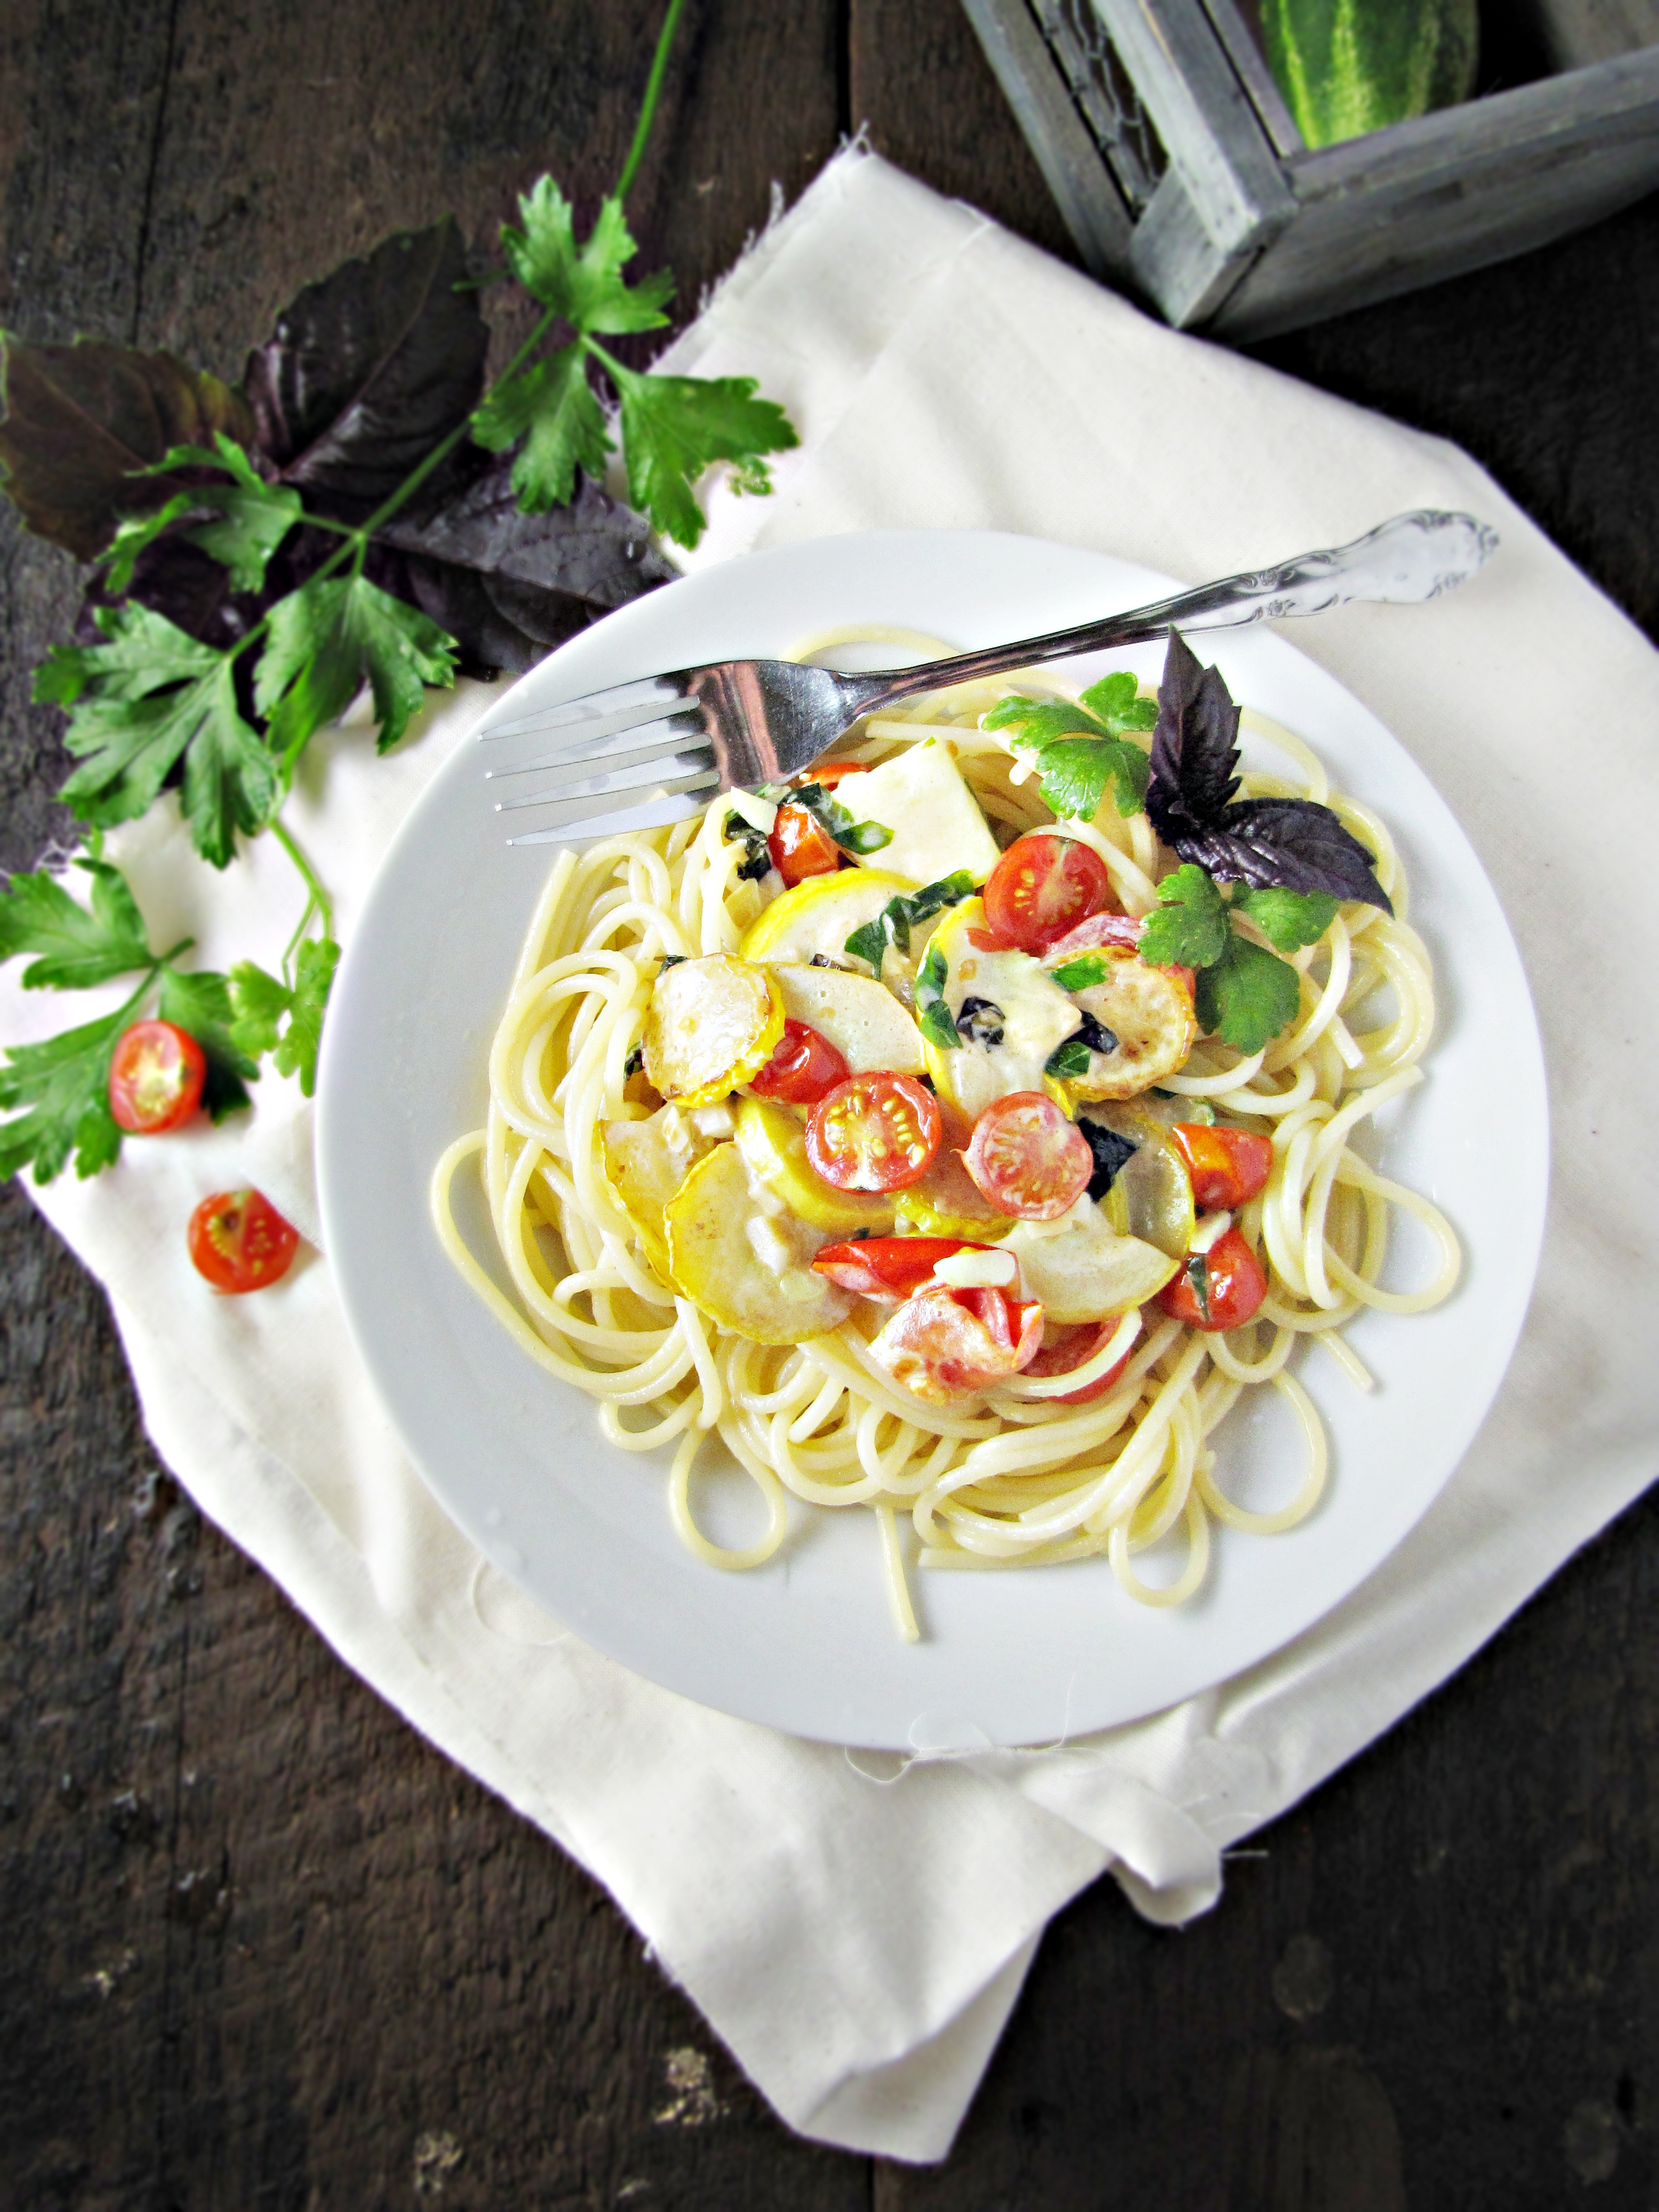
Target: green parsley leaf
x=586 y=288
x=1189 y=925
x=1082 y=973
x=1288 y=919
x=330 y=637
x=1069 y=1057
x=1075 y=773
x=934 y=1017
x=199 y=1002
x=78 y=949
x=148 y=695
x=269 y=1017
x=551 y=406
x=893 y=924
x=674 y=427
x=1115 y=702
x=63 y=1085
x=254 y=517
x=1247 y=996
x=1079 y=752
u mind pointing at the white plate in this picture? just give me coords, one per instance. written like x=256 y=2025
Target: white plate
x=807 y=1644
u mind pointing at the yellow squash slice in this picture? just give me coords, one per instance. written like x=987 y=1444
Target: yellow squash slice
x=1010 y=1012
x=1152 y=1193
x=712 y=1024
x=946 y=1201
x=645 y=1163
x=773 y=1141
x=859 y=1017
x=819 y=916
x=1087 y=1272
x=747 y=1269
x=1150 y=1018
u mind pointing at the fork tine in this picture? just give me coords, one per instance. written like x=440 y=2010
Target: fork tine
x=654 y=815
x=654 y=739
x=622 y=707
x=689 y=771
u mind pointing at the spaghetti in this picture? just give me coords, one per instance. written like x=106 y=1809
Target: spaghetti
x=1011 y=1476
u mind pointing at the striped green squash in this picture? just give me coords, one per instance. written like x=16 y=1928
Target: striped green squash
x=1348 y=66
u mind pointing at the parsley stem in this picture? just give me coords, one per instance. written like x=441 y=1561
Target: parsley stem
x=318 y=898
x=648 y=107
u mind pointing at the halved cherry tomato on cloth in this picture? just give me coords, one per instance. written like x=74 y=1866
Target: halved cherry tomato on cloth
x=801 y=846
x=892 y=1269
x=1227 y=1166
x=803 y=1069
x=1065 y=1349
x=949 y=1340
x=1027 y=1158
x=239 y=1242
x=1042 y=888
x=1218 y=1289
x=155 y=1078
x=876 y=1132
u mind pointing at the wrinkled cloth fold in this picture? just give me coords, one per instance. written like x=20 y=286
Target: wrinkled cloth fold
x=856 y=1928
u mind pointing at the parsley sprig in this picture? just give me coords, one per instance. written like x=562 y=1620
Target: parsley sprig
x=1244 y=994
x=58 y=1091
x=298 y=618
x=1079 y=750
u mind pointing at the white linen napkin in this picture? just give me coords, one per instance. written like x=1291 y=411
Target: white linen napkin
x=857 y=1931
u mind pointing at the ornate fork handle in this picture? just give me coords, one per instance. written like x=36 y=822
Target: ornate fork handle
x=1415 y=556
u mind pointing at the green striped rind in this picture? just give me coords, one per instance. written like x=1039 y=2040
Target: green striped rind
x=1348 y=66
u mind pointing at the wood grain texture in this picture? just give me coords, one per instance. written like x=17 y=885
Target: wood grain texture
x=265 y=1948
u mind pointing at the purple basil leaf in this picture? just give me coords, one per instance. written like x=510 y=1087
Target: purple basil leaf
x=1286 y=844
x=510 y=585
x=1194 y=745
x=369 y=369
x=80 y=419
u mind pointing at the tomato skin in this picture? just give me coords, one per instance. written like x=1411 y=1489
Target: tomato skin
x=1042 y=888
x=1237 y=1287
x=891 y=1269
x=876 y=1132
x=829 y=773
x=1070 y=1347
x=804 y=1068
x=1027 y=1158
x=1227 y=1166
x=240 y=1242
x=800 y=847
x=155 y=1078
x=952 y=1340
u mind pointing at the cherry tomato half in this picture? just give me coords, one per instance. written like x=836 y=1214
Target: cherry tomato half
x=889 y=1268
x=875 y=1133
x=155 y=1078
x=1042 y=888
x=1218 y=1289
x=1027 y=1158
x=1227 y=1166
x=800 y=847
x=1070 y=1347
x=239 y=1242
x=829 y=773
x=805 y=1067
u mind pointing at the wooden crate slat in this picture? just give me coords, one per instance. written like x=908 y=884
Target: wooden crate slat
x=1088 y=200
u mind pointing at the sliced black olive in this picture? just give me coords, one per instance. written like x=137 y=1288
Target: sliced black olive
x=979 y=1021
x=1094 y=1034
x=1110 y=1152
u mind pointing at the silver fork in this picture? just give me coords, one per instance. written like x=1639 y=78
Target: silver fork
x=680 y=737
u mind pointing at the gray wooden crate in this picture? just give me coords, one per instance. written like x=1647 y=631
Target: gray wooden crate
x=1183 y=180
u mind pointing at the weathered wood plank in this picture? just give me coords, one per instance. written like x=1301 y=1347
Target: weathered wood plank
x=917 y=77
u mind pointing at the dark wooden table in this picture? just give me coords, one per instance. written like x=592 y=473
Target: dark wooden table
x=265 y=1948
